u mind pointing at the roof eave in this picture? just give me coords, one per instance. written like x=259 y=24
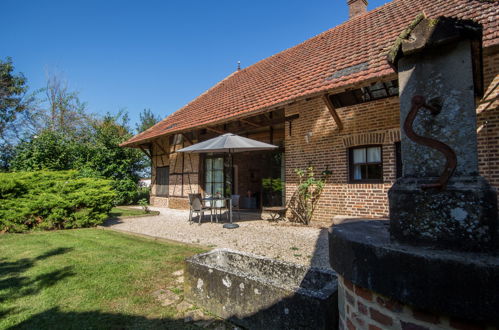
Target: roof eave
x=242 y=115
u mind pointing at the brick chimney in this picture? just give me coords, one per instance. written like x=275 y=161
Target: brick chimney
x=357 y=7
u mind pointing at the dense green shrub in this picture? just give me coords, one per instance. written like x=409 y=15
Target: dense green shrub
x=53 y=200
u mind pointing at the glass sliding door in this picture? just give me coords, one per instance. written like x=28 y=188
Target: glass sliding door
x=214 y=176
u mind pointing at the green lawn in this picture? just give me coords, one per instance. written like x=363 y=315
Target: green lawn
x=87 y=279
x=117 y=212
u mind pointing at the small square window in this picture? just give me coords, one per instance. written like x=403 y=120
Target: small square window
x=366 y=164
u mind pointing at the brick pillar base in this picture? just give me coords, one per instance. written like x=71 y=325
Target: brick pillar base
x=360 y=308
x=388 y=285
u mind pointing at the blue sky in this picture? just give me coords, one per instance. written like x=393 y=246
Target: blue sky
x=153 y=54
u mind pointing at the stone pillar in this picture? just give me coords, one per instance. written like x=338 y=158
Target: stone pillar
x=437 y=64
x=435 y=264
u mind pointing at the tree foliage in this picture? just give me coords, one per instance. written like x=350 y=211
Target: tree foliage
x=65 y=112
x=50 y=150
x=146 y=120
x=12 y=89
x=13 y=105
x=107 y=159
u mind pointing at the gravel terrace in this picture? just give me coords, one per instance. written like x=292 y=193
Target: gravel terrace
x=284 y=241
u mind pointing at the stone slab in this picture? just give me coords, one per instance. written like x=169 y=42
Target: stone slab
x=261 y=293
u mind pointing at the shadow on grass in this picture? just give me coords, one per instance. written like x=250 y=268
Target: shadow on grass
x=54 y=318
x=14 y=285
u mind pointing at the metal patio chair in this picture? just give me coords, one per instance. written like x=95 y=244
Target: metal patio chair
x=196 y=206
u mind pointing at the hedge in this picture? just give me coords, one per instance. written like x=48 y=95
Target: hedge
x=52 y=200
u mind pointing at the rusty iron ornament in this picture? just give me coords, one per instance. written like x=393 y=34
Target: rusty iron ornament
x=419 y=102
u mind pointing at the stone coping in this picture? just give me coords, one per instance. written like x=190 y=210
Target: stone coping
x=460 y=284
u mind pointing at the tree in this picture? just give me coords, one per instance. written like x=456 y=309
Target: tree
x=13 y=104
x=53 y=115
x=12 y=90
x=107 y=159
x=147 y=120
x=64 y=111
x=48 y=150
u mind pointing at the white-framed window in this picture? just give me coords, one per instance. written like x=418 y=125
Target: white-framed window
x=366 y=164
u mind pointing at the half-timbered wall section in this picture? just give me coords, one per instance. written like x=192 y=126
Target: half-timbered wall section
x=186 y=170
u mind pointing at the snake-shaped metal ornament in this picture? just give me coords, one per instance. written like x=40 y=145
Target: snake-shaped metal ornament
x=419 y=102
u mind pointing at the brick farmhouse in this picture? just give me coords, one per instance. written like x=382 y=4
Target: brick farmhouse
x=330 y=102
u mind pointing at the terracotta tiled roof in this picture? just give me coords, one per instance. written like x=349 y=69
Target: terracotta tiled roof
x=346 y=54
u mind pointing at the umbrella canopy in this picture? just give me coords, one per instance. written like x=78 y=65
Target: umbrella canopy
x=228 y=143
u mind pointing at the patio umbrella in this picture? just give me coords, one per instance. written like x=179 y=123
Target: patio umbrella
x=228 y=143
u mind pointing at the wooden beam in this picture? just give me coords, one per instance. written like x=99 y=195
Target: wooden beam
x=265 y=123
x=250 y=123
x=268 y=123
x=333 y=112
x=215 y=130
x=292 y=117
x=160 y=147
x=145 y=152
x=175 y=169
x=188 y=140
x=182 y=181
x=273 y=122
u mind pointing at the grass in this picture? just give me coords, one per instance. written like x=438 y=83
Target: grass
x=119 y=212
x=87 y=279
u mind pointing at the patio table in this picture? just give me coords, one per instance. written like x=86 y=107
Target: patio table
x=227 y=199
x=276 y=212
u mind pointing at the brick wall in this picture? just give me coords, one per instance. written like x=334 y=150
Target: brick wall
x=360 y=308
x=488 y=122
x=374 y=122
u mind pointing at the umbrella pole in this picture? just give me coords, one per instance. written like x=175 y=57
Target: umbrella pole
x=231 y=225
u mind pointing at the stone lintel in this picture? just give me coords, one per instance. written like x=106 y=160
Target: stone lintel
x=447 y=282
